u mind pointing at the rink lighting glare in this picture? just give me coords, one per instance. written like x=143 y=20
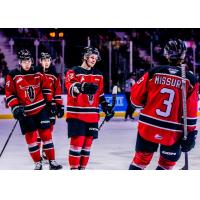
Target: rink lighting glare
x=61 y=34
x=52 y=34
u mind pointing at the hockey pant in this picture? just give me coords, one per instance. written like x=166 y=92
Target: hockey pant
x=79 y=151
x=34 y=149
x=169 y=155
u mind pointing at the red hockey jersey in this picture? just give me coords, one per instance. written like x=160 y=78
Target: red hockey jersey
x=55 y=84
x=30 y=89
x=83 y=107
x=159 y=93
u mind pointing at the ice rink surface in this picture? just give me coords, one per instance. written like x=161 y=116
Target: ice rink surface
x=113 y=150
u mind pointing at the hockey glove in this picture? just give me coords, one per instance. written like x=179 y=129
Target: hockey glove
x=107 y=109
x=88 y=88
x=60 y=111
x=51 y=108
x=18 y=112
x=189 y=143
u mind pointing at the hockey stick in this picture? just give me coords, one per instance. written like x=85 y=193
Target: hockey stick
x=114 y=95
x=8 y=138
x=183 y=74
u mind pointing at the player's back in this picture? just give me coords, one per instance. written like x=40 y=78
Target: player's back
x=164 y=97
x=160 y=90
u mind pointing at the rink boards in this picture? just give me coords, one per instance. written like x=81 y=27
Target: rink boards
x=120 y=106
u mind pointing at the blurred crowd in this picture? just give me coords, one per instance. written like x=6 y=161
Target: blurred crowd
x=147 y=49
x=3 y=72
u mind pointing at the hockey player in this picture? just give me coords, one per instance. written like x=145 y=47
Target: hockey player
x=28 y=93
x=159 y=92
x=55 y=83
x=85 y=92
x=129 y=83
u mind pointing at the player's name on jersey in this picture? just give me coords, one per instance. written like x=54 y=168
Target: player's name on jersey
x=163 y=80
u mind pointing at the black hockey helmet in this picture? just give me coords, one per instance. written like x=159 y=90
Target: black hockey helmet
x=175 y=50
x=87 y=51
x=24 y=54
x=45 y=55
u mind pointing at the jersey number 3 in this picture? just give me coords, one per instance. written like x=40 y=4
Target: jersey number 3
x=167 y=102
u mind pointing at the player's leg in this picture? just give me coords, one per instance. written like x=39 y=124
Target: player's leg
x=43 y=154
x=34 y=150
x=76 y=144
x=85 y=152
x=144 y=153
x=169 y=155
x=29 y=130
x=44 y=129
x=127 y=109
x=76 y=133
x=91 y=134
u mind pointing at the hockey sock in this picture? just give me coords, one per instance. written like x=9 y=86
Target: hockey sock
x=39 y=141
x=48 y=146
x=34 y=150
x=85 y=152
x=76 y=144
x=165 y=163
x=142 y=159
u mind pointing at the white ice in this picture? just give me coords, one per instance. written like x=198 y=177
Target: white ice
x=113 y=150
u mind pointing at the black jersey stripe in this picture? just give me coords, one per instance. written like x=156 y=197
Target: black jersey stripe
x=58 y=97
x=10 y=98
x=190 y=121
x=46 y=91
x=159 y=123
x=84 y=110
x=34 y=106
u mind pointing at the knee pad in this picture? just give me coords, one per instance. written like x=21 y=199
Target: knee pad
x=45 y=134
x=77 y=141
x=142 y=159
x=88 y=142
x=31 y=137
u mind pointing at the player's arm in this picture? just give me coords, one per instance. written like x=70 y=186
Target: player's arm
x=48 y=96
x=107 y=109
x=10 y=91
x=58 y=92
x=192 y=107
x=58 y=99
x=139 y=92
x=12 y=99
x=74 y=87
x=46 y=88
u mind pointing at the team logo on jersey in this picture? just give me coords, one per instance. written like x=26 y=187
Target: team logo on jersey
x=173 y=71
x=30 y=91
x=90 y=98
x=70 y=76
x=159 y=137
